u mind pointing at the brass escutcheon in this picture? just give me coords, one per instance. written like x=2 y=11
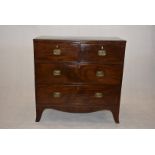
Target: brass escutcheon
x=57 y=51
x=102 y=52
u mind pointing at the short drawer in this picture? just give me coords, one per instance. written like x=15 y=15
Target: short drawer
x=103 y=53
x=55 y=73
x=101 y=74
x=56 y=51
x=62 y=95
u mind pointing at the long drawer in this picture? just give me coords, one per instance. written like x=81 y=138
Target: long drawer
x=61 y=95
x=59 y=51
x=65 y=73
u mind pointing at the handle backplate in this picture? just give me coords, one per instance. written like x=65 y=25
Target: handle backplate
x=99 y=73
x=98 y=95
x=57 y=72
x=56 y=94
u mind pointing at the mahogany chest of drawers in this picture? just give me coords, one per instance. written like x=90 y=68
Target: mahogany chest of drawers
x=78 y=75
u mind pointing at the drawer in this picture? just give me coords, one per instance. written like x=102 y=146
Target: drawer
x=103 y=53
x=56 y=51
x=83 y=73
x=62 y=95
x=101 y=74
x=56 y=73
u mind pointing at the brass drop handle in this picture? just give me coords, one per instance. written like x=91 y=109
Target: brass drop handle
x=57 y=51
x=56 y=94
x=98 y=95
x=56 y=72
x=99 y=73
x=102 y=52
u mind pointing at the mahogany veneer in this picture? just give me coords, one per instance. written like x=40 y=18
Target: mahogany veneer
x=78 y=74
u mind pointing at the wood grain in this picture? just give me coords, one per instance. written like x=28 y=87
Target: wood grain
x=79 y=73
x=77 y=95
x=78 y=82
x=114 y=53
x=44 y=51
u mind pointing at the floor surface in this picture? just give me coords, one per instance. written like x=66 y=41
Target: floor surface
x=18 y=111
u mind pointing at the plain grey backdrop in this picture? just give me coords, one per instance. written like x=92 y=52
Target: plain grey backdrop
x=17 y=101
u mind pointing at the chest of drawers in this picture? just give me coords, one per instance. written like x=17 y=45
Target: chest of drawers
x=78 y=75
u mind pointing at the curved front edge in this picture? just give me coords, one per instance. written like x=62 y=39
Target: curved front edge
x=78 y=109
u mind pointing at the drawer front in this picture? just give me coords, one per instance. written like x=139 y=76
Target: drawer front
x=77 y=95
x=101 y=74
x=82 y=73
x=56 y=73
x=103 y=53
x=55 y=51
